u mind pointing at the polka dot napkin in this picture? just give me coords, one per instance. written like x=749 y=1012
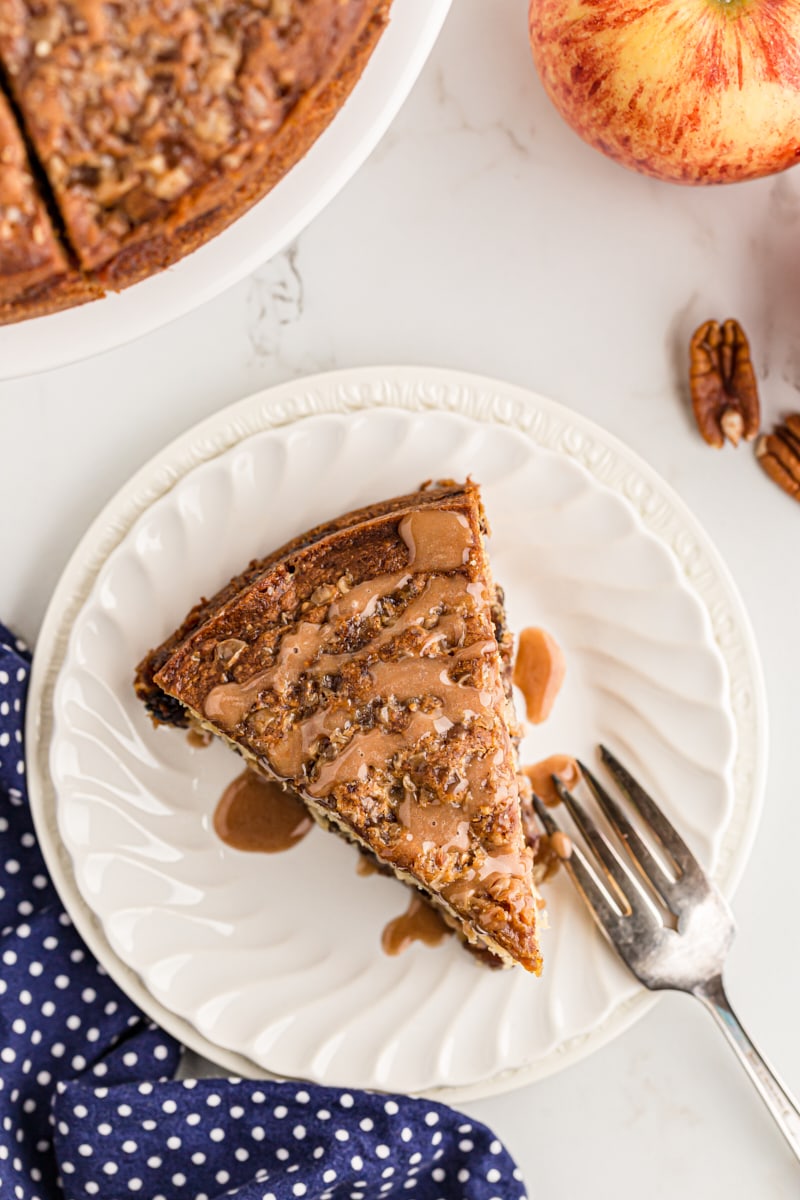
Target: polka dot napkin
x=89 y=1105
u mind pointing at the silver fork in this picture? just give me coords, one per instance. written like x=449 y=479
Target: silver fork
x=672 y=927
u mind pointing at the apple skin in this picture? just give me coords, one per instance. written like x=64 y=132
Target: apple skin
x=689 y=91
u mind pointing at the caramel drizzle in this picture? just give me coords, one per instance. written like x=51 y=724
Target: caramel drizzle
x=229 y=703
x=438 y=541
x=405 y=680
x=299 y=652
x=438 y=594
x=434 y=826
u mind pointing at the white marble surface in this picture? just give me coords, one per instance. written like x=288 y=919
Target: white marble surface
x=482 y=234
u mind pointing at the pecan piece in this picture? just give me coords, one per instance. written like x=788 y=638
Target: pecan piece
x=723 y=384
x=779 y=455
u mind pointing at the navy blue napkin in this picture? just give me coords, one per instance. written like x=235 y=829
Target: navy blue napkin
x=89 y=1103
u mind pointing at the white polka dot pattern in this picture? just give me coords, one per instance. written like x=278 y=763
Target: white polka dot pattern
x=60 y=1014
x=225 y=1137
x=88 y=1103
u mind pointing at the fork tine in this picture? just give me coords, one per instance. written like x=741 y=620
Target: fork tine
x=670 y=839
x=630 y=892
x=584 y=878
x=649 y=867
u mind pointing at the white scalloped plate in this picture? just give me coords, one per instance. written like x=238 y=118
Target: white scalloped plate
x=273 y=963
x=44 y=343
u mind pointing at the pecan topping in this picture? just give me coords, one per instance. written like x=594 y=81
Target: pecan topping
x=723 y=384
x=779 y=455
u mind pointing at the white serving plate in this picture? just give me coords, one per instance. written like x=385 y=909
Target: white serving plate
x=52 y=341
x=273 y=963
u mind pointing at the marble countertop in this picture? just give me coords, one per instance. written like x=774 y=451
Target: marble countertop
x=482 y=234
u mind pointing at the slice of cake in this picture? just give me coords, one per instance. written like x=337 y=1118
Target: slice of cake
x=367 y=666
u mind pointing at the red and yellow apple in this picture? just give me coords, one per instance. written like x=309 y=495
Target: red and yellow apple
x=692 y=91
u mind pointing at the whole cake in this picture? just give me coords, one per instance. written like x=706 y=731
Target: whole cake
x=367 y=665
x=132 y=133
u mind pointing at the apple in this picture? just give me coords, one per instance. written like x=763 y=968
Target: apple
x=691 y=91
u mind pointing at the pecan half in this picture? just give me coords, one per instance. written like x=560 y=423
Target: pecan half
x=723 y=384
x=779 y=455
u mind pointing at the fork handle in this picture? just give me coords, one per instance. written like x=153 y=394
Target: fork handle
x=780 y=1103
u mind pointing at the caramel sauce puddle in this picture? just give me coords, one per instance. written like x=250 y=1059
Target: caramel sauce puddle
x=419 y=923
x=257 y=815
x=540 y=774
x=539 y=671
